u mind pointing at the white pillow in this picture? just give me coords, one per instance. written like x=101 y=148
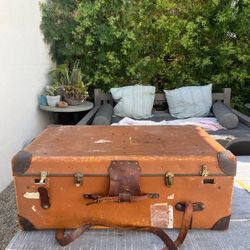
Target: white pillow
x=193 y=101
x=134 y=101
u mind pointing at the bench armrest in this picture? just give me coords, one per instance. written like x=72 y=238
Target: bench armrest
x=103 y=115
x=88 y=118
x=243 y=118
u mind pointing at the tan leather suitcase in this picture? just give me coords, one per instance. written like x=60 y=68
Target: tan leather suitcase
x=145 y=177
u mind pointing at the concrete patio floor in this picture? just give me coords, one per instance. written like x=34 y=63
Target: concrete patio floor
x=236 y=237
x=8 y=221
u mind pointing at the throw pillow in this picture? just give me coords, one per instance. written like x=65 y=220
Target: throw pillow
x=134 y=101
x=193 y=101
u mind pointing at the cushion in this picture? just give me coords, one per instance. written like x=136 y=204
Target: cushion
x=225 y=116
x=134 y=101
x=240 y=146
x=193 y=101
x=103 y=115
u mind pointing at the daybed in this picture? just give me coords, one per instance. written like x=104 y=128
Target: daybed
x=103 y=110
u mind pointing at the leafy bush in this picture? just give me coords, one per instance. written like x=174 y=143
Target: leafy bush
x=166 y=43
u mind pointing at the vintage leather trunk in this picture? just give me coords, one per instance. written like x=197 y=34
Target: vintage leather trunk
x=62 y=178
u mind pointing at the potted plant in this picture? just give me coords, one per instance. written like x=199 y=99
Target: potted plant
x=70 y=83
x=52 y=95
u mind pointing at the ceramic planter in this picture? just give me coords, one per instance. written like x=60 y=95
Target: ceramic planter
x=43 y=100
x=53 y=100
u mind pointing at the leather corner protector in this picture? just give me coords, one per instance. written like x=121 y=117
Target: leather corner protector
x=21 y=162
x=25 y=224
x=227 y=162
x=222 y=224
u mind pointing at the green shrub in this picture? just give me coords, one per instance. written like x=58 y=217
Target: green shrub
x=164 y=43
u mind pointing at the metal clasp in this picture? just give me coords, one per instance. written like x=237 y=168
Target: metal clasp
x=169 y=179
x=43 y=177
x=78 y=179
x=204 y=171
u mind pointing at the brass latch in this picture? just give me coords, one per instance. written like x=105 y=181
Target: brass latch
x=78 y=179
x=43 y=177
x=169 y=179
x=204 y=170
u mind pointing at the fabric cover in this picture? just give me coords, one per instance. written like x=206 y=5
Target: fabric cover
x=134 y=101
x=225 y=116
x=240 y=146
x=103 y=115
x=207 y=123
x=193 y=101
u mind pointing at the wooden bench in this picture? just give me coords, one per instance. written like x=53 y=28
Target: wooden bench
x=101 y=98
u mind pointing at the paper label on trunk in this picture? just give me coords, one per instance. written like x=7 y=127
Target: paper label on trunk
x=162 y=215
x=31 y=195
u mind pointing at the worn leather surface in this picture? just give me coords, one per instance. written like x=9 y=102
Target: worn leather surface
x=90 y=150
x=124 y=178
x=124 y=187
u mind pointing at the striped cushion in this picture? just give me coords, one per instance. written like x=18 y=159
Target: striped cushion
x=194 y=101
x=134 y=101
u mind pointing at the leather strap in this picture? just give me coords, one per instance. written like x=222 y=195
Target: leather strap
x=123 y=184
x=186 y=223
x=170 y=244
x=64 y=240
x=121 y=197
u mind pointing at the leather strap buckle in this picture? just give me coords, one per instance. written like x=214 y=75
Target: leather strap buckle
x=124 y=184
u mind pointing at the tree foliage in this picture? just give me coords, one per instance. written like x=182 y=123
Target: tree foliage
x=166 y=43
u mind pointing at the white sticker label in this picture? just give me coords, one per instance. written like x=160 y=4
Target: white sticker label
x=170 y=196
x=31 y=195
x=102 y=141
x=162 y=215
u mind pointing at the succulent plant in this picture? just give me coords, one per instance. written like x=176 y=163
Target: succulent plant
x=70 y=81
x=51 y=90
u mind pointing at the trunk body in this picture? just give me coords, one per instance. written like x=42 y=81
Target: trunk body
x=179 y=163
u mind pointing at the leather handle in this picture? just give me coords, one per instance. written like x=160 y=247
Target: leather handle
x=44 y=197
x=64 y=240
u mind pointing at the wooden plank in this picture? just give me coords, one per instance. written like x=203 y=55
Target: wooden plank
x=102 y=98
x=88 y=117
x=227 y=96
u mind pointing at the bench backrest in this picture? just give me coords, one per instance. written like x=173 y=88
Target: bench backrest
x=102 y=98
